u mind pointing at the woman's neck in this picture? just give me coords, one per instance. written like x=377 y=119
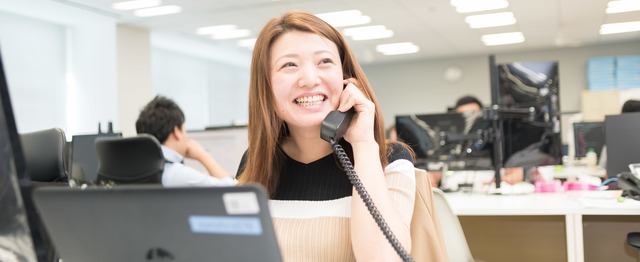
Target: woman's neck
x=306 y=146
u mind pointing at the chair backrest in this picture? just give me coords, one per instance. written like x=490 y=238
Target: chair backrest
x=456 y=242
x=427 y=241
x=45 y=155
x=130 y=160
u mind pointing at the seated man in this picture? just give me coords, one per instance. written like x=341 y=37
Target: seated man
x=163 y=119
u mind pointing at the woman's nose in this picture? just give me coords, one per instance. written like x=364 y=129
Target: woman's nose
x=309 y=77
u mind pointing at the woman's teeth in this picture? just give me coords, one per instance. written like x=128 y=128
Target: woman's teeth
x=310 y=100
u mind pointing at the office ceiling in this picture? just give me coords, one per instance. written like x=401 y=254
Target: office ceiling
x=433 y=25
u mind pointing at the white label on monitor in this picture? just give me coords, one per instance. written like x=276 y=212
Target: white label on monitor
x=225 y=225
x=242 y=203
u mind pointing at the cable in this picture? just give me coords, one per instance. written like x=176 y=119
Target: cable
x=357 y=184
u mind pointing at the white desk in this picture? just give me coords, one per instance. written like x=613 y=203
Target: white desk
x=570 y=205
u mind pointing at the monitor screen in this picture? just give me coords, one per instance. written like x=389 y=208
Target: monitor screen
x=84 y=158
x=19 y=230
x=623 y=142
x=588 y=135
x=537 y=141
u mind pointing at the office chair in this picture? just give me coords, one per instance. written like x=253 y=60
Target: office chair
x=455 y=241
x=131 y=160
x=45 y=155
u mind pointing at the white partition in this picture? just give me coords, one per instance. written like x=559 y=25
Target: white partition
x=226 y=145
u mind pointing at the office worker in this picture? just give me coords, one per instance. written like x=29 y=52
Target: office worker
x=163 y=119
x=302 y=68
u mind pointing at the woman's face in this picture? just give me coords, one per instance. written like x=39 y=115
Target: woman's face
x=306 y=77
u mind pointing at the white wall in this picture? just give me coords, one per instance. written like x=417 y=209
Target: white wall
x=89 y=70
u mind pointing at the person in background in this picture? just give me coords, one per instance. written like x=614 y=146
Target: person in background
x=302 y=68
x=163 y=119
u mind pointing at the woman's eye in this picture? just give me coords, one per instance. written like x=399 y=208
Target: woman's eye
x=325 y=61
x=288 y=64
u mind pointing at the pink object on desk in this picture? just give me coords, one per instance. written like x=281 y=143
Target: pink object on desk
x=548 y=186
x=570 y=186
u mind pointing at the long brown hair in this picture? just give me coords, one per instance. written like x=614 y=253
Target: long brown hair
x=266 y=129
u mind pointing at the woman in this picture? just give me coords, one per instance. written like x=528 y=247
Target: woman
x=301 y=70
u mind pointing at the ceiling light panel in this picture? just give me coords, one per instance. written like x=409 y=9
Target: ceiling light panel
x=490 y=20
x=616 y=28
x=156 y=11
x=398 y=48
x=503 y=39
x=345 y=18
x=368 y=32
x=469 y=6
x=216 y=29
x=136 y=4
x=623 y=6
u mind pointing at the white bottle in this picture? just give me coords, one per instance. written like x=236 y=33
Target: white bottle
x=591 y=159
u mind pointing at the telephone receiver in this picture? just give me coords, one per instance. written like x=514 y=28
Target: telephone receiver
x=630 y=184
x=335 y=124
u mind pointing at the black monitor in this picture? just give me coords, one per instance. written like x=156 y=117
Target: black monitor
x=530 y=141
x=22 y=236
x=423 y=132
x=84 y=158
x=622 y=137
x=588 y=135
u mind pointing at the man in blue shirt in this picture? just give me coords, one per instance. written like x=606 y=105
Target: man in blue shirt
x=163 y=119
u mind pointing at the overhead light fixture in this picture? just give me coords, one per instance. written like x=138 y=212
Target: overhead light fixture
x=398 y=48
x=247 y=43
x=470 y=6
x=490 y=20
x=238 y=33
x=503 y=39
x=616 y=28
x=368 y=32
x=345 y=18
x=135 y=4
x=216 y=29
x=622 y=6
x=156 y=11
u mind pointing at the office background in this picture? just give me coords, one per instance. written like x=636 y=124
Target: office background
x=74 y=68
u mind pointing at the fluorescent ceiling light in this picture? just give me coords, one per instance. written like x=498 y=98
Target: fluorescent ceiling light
x=216 y=29
x=248 y=43
x=368 y=32
x=156 y=11
x=398 y=48
x=616 y=28
x=469 y=6
x=135 y=4
x=621 y=6
x=490 y=20
x=238 y=33
x=345 y=18
x=503 y=39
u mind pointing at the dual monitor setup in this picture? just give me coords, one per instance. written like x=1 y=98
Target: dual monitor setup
x=521 y=128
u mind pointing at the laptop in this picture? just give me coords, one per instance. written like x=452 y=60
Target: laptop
x=151 y=223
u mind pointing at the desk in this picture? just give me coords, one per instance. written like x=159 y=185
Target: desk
x=569 y=205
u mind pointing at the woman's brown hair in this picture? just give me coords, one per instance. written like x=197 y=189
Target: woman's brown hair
x=266 y=129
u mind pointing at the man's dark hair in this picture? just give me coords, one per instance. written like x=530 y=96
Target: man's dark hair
x=631 y=106
x=159 y=117
x=468 y=100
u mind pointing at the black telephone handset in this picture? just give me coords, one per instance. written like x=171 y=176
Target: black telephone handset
x=333 y=128
x=630 y=184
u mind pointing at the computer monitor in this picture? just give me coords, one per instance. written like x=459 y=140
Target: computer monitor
x=21 y=235
x=622 y=137
x=423 y=132
x=530 y=85
x=84 y=157
x=588 y=135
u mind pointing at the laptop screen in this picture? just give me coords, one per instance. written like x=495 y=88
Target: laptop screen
x=18 y=221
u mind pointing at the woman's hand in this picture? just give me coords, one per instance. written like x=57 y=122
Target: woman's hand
x=361 y=127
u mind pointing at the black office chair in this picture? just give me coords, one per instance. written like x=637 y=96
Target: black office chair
x=130 y=160
x=45 y=155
